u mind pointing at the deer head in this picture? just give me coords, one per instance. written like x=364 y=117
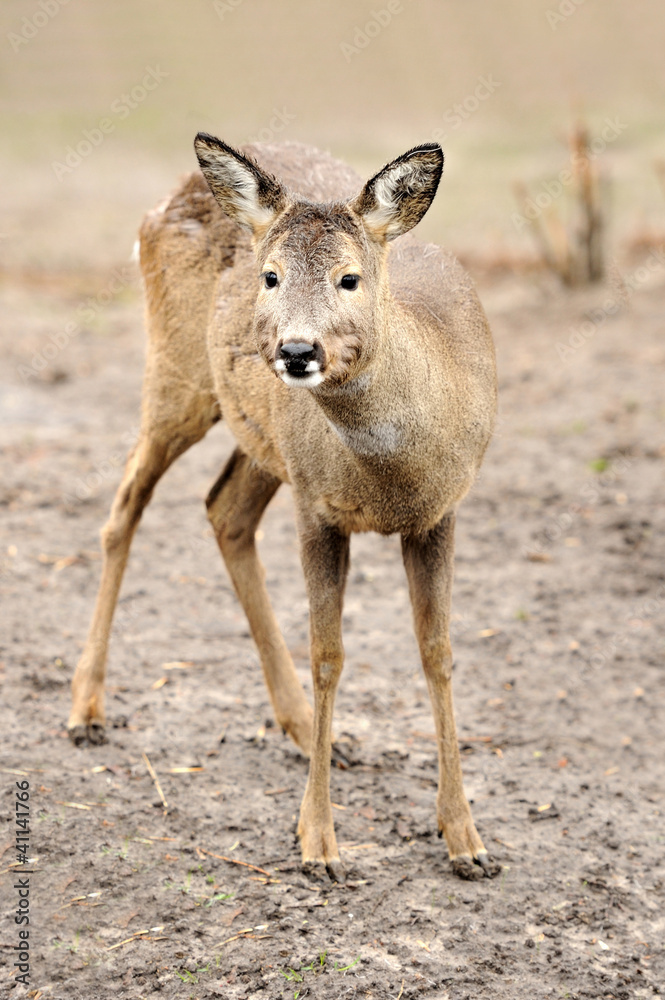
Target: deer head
x=321 y=281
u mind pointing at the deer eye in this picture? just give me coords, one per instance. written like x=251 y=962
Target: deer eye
x=270 y=279
x=350 y=282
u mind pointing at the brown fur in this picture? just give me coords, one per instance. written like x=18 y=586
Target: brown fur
x=389 y=441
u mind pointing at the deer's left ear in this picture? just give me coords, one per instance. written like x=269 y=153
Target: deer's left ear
x=396 y=198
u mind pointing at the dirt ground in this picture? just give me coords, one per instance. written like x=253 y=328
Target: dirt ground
x=558 y=637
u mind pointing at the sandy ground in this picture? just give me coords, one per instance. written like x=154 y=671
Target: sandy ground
x=558 y=636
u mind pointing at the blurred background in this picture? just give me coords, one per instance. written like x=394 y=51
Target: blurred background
x=499 y=85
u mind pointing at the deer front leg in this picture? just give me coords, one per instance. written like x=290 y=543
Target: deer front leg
x=428 y=560
x=235 y=506
x=325 y=557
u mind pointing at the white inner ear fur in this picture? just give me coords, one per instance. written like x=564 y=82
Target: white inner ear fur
x=386 y=215
x=242 y=191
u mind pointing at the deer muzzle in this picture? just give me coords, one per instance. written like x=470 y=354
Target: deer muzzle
x=300 y=363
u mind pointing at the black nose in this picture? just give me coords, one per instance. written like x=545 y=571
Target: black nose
x=296 y=355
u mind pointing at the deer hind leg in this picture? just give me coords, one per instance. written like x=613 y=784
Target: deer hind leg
x=186 y=242
x=428 y=560
x=235 y=506
x=175 y=416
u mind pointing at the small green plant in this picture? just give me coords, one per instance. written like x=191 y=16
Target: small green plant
x=291 y=974
x=187 y=976
x=599 y=464
x=123 y=851
x=345 y=968
x=316 y=967
x=219 y=896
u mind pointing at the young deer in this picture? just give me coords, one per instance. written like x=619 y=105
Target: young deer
x=364 y=378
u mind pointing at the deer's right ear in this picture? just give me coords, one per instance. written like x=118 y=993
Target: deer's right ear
x=249 y=195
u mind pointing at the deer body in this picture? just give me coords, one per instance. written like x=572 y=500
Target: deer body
x=363 y=377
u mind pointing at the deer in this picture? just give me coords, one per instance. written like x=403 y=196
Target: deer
x=349 y=360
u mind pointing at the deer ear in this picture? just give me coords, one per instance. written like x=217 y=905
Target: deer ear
x=396 y=198
x=249 y=195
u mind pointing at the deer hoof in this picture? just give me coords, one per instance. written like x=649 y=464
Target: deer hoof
x=324 y=871
x=94 y=734
x=78 y=735
x=475 y=869
x=490 y=867
x=336 y=873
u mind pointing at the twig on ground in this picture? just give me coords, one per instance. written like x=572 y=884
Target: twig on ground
x=154 y=777
x=234 y=861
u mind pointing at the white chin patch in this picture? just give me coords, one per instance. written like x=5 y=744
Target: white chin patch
x=307 y=381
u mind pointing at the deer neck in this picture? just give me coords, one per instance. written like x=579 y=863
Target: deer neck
x=372 y=414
